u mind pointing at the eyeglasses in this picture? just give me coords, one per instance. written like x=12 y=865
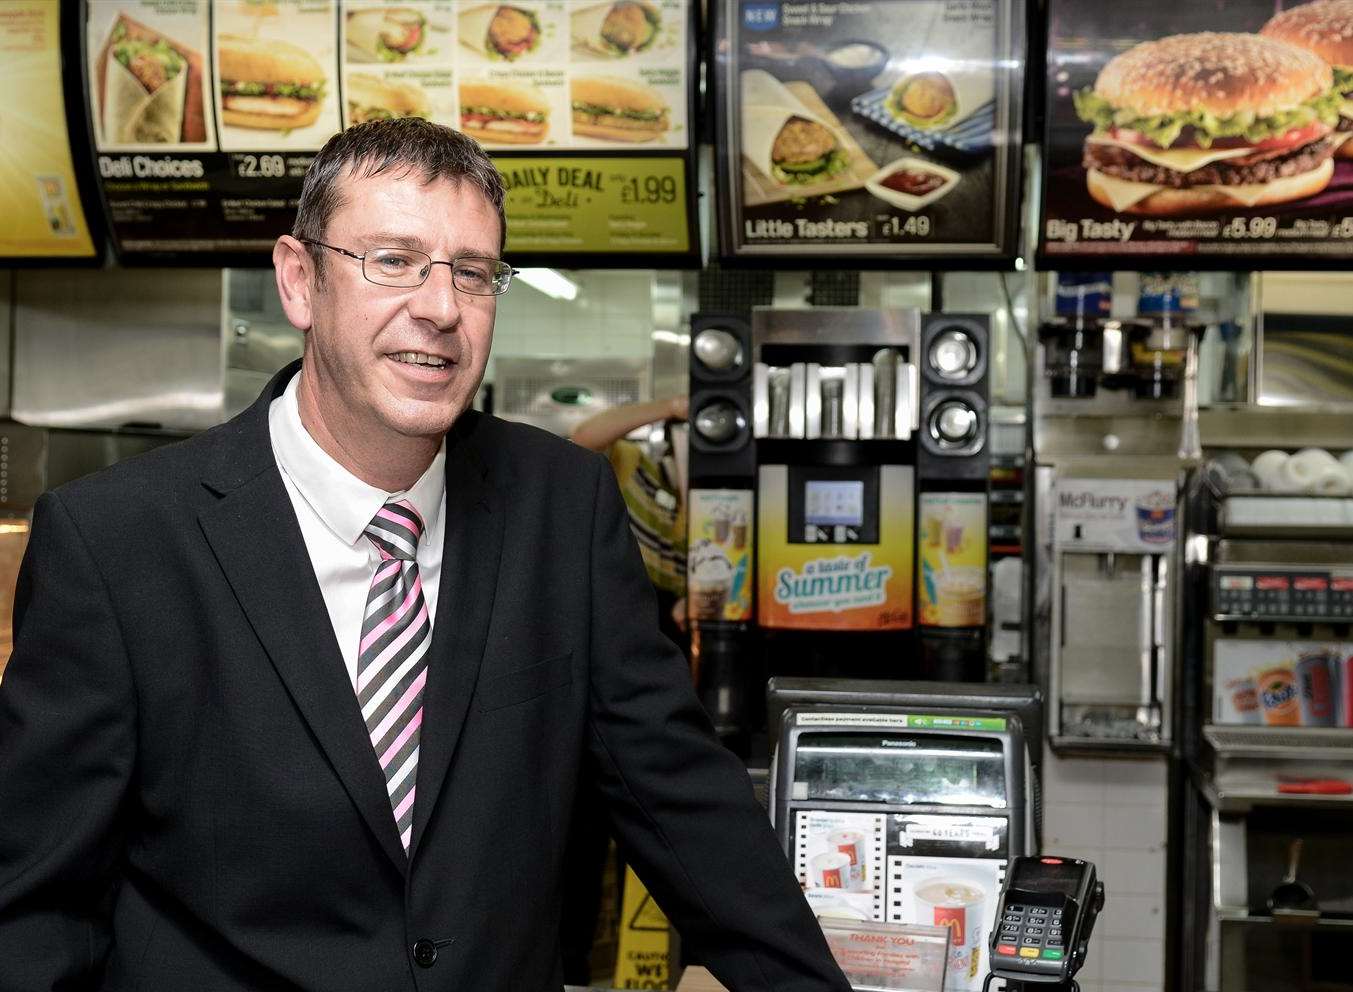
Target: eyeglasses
x=406 y=268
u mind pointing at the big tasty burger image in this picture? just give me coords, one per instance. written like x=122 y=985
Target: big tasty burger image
x=1195 y=123
x=268 y=84
x=1325 y=28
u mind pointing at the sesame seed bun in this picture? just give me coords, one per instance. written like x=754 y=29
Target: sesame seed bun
x=1215 y=72
x=1324 y=27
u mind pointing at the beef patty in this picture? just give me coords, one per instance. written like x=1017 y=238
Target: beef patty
x=1261 y=167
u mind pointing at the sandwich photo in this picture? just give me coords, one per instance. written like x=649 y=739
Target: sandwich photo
x=268 y=84
x=924 y=99
x=145 y=87
x=371 y=98
x=1325 y=28
x=1203 y=122
x=617 y=109
x=385 y=34
x=503 y=113
x=500 y=31
x=783 y=139
x=616 y=29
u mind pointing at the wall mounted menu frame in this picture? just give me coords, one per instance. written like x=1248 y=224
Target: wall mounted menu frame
x=196 y=166
x=43 y=171
x=1184 y=174
x=886 y=132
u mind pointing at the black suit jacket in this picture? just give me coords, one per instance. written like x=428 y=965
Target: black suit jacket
x=188 y=798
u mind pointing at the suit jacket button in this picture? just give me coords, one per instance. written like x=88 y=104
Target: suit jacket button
x=424 y=953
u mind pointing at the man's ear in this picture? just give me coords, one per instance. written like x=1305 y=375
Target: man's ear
x=295 y=271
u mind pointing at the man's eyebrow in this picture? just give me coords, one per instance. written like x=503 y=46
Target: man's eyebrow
x=389 y=239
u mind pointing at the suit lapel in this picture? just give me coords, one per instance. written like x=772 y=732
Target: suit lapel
x=255 y=536
x=469 y=579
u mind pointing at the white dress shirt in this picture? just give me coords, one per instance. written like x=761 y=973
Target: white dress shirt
x=333 y=507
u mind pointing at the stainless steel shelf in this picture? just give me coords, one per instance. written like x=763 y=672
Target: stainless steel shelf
x=1323 y=743
x=1320 y=922
x=1241 y=802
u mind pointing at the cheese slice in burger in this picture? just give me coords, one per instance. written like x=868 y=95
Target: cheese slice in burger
x=1196 y=123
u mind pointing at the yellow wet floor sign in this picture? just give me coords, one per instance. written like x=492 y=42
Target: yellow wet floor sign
x=642 y=959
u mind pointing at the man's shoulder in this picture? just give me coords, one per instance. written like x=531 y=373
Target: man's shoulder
x=172 y=472
x=525 y=450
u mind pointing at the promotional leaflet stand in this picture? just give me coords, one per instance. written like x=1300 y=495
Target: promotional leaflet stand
x=904 y=802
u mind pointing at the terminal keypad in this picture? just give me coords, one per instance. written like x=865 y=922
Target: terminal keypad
x=1031 y=933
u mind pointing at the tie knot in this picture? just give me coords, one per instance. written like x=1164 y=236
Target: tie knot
x=395 y=530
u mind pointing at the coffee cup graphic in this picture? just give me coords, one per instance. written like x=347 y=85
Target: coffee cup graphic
x=956 y=904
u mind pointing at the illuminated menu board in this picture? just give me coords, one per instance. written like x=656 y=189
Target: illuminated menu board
x=205 y=114
x=41 y=216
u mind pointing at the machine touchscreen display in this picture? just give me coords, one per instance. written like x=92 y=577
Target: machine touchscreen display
x=833 y=502
x=877 y=768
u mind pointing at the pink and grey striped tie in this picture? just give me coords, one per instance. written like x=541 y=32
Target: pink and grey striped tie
x=392 y=659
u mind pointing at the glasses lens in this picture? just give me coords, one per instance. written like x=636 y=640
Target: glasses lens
x=396 y=266
x=480 y=276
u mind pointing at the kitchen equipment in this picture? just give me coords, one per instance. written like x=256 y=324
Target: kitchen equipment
x=1291 y=899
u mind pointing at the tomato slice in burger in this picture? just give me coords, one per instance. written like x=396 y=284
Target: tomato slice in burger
x=1294 y=138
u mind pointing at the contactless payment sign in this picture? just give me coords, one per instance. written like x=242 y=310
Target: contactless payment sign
x=830 y=586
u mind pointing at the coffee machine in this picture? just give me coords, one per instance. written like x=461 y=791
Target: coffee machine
x=838 y=509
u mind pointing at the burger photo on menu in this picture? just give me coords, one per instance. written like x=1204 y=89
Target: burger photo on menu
x=371 y=98
x=385 y=34
x=503 y=113
x=500 y=32
x=616 y=109
x=616 y=30
x=1324 y=27
x=268 y=84
x=783 y=139
x=1195 y=123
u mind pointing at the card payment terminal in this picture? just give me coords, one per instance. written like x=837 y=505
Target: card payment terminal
x=1044 y=919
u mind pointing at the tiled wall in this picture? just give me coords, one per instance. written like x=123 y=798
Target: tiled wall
x=1112 y=812
x=612 y=316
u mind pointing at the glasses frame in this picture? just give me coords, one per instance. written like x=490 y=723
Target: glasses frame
x=449 y=263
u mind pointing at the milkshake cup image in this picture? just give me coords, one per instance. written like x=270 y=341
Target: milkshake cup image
x=709 y=579
x=933 y=529
x=851 y=844
x=830 y=870
x=961 y=595
x=1155 y=517
x=1279 y=695
x=956 y=904
x=1315 y=679
x=739 y=531
x=722 y=524
x=953 y=538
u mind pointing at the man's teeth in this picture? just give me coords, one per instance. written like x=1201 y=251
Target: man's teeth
x=418 y=358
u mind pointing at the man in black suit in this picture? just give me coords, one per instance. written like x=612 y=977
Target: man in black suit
x=303 y=702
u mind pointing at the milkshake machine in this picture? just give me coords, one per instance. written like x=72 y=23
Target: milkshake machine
x=838 y=510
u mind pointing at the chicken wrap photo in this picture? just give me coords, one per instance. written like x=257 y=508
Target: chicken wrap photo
x=500 y=32
x=145 y=88
x=616 y=30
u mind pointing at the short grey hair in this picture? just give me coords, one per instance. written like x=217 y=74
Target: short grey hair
x=409 y=144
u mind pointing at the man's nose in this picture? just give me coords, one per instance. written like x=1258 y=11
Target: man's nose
x=437 y=299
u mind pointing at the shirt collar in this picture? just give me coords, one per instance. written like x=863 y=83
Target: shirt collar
x=344 y=502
